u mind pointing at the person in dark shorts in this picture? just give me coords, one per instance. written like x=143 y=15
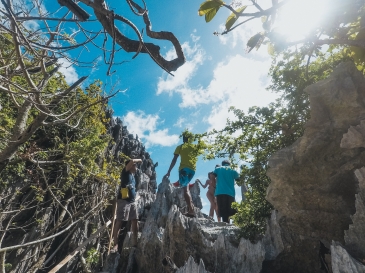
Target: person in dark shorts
x=189 y=153
x=225 y=192
x=127 y=208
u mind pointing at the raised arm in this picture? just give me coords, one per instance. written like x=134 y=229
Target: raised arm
x=173 y=162
x=131 y=163
x=204 y=186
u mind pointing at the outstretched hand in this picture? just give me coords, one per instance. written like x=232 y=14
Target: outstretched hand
x=197 y=180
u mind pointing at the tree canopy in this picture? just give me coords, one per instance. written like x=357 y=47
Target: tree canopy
x=35 y=39
x=343 y=25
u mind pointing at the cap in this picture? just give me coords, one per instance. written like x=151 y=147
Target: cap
x=226 y=162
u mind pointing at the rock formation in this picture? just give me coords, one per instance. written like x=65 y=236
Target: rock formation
x=317 y=189
x=191 y=243
x=314 y=186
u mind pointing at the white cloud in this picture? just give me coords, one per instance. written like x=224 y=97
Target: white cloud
x=243 y=82
x=68 y=70
x=195 y=38
x=238 y=82
x=145 y=126
x=182 y=76
x=230 y=80
x=179 y=123
x=241 y=35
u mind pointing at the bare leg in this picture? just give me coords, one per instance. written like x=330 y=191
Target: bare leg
x=216 y=210
x=210 y=197
x=188 y=200
x=211 y=210
x=134 y=228
x=117 y=226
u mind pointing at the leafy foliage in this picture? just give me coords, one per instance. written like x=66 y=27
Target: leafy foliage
x=343 y=26
x=62 y=169
x=201 y=146
x=92 y=256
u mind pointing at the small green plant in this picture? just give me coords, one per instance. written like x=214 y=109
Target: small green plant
x=8 y=267
x=92 y=256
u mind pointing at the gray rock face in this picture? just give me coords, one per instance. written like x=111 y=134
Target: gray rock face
x=313 y=183
x=191 y=266
x=355 y=235
x=342 y=262
x=196 y=244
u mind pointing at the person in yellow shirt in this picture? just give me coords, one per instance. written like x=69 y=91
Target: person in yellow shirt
x=189 y=153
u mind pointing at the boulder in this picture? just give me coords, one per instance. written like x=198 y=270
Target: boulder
x=313 y=185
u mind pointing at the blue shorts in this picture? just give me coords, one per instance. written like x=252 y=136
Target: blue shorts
x=185 y=176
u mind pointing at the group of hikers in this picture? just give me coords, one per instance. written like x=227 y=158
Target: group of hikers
x=220 y=183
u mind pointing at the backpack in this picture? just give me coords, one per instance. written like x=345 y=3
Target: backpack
x=124 y=190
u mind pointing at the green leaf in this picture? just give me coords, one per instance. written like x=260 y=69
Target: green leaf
x=358 y=54
x=210 y=15
x=254 y=40
x=233 y=18
x=209 y=9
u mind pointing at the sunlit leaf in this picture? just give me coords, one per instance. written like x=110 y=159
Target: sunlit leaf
x=210 y=14
x=208 y=6
x=233 y=18
x=358 y=53
x=254 y=40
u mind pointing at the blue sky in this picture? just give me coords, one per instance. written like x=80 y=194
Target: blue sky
x=218 y=73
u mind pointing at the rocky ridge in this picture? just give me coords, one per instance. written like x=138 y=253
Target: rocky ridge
x=317 y=189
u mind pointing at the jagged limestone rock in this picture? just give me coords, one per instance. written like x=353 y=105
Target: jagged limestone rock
x=312 y=182
x=354 y=137
x=272 y=240
x=342 y=262
x=355 y=235
x=167 y=232
x=191 y=266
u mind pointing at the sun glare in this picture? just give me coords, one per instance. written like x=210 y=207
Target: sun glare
x=299 y=17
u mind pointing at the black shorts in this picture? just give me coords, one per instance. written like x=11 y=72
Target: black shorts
x=224 y=202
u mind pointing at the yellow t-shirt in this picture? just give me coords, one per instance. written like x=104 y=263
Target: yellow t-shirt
x=188 y=154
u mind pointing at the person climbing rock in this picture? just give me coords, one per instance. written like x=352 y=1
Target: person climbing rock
x=126 y=205
x=189 y=153
x=211 y=184
x=225 y=191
